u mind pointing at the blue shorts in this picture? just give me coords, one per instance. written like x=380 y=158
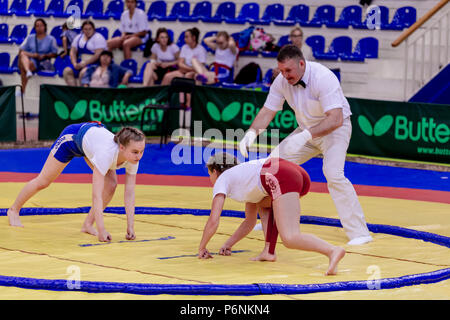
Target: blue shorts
x=68 y=144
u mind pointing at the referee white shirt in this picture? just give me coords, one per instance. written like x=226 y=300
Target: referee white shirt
x=323 y=92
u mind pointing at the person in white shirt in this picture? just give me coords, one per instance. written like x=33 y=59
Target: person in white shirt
x=224 y=59
x=85 y=50
x=189 y=51
x=323 y=116
x=104 y=152
x=134 y=28
x=271 y=187
x=164 y=58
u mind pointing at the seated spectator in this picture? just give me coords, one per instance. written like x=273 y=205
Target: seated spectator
x=224 y=58
x=86 y=49
x=67 y=37
x=36 y=52
x=163 y=59
x=107 y=74
x=191 y=50
x=134 y=28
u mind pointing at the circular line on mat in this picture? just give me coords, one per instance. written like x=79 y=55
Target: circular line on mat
x=238 y=289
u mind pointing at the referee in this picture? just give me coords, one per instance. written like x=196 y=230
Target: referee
x=323 y=115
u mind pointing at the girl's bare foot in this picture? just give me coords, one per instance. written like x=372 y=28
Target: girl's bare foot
x=265 y=256
x=89 y=229
x=336 y=256
x=13 y=217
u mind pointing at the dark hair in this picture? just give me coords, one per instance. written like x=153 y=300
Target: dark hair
x=126 y=134
x=43 y=21
x=194 y=32
x=289 y=51
x=107 y=53
x=88 y=22
x=163 y=30
x=221 y=161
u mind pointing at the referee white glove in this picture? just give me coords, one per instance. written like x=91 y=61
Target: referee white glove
x=247 y=141
x=297 y=141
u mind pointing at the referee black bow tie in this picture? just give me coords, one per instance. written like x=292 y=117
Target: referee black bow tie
x=300 y=82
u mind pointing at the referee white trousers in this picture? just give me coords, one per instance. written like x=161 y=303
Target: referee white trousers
x=333 y=147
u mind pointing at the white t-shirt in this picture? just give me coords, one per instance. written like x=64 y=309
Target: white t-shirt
x=165 y=56
x=323 y=92
x=199 y=52
x=101 y=150
x=226 y=57
x=242 y=182
x=97 y=41
x=137 y=23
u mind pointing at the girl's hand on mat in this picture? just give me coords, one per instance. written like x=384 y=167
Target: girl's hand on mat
x=225 y=251
x=104 y=236
x=204 y=254
x=130 y=234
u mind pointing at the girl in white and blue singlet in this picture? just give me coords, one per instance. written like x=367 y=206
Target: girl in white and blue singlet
x=104 y=152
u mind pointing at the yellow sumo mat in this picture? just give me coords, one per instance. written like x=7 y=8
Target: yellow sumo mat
x=51 y=250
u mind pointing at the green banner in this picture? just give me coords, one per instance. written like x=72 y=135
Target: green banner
x=400 y=130
x=223 y=109
x=8 y=114
x=60 y=106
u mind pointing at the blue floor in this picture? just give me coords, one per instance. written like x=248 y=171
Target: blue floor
x=191 y=162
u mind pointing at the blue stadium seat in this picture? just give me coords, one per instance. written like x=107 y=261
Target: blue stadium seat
x=180 y=41
x=19 y=8
x=317 y=44
x=103 y=31
x=249 y=13
x=403 y=18
x=114 y=9
x=37 y=8
x=271 y=13
x=55 y=8
x=208 y=34
x=94 y=9
x=324 y=15
x=130 y=64
x=18 y=34
x=350 y=16
x=298 y=14
x=281 y=42
x=56 y=33
x=365 y=48
x=116 y=33
x=339 y=47
x=4 y=8
x=15 y=64
x=60 y=64
x=141 y=5
x=157 y=10
x=202 y=10
x=179 y=10
x=268 y=76
x=4 y=33
x=5 y=59
x=139 y=78
x=225 y=10
x=370 y=20
x=71 y=4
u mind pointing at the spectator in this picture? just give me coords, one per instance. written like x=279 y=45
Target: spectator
x=296 y=38
x=163 y=59
x=190 y=50
x=107 y=74
x=224 y=58
x=36 y=52
x=134 y=28
x=67 y=37
x=86 y=49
